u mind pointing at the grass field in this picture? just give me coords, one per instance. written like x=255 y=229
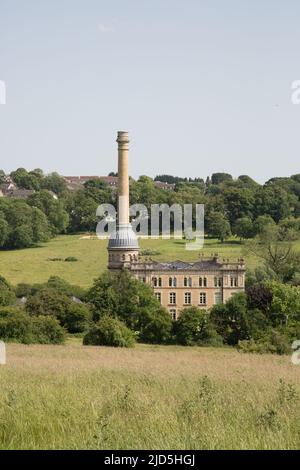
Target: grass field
x=75 y=397
x=33 y=264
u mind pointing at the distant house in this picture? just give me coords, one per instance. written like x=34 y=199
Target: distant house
x=76 y=182
x=163 y=185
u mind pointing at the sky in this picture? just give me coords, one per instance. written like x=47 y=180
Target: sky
x=201 y=86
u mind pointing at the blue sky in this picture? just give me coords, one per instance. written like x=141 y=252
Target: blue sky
x=202 y=86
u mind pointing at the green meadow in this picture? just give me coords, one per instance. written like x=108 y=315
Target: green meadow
x=148 y=397
x=37 y=264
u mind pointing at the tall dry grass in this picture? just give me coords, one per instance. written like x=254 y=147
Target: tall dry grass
x=74 y=397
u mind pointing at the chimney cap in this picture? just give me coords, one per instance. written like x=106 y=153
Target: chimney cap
x=123 y=136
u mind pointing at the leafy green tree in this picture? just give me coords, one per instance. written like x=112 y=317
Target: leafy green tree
x=279 y=258
x=55 y=183
x=64 y=287
x=259 y=296
x=285 y=307
x=231 y=319
x=248 y=182
x=261 y=224
x=82 y=211
x=219 y=178
x=110 y=332
x=78 y=318
x=53 y=209
x=25 y=225
x=155 y=327
x=243 y=228
x=48 y=301
x=218 y=226
x=239 y=202
x=274 y=201
x=289 y=228
x=15 y=325
x=21 y=237
x=47 y=330
x=194 y=328
x=124 y=297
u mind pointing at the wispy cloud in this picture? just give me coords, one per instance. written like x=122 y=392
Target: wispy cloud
x=104 y=28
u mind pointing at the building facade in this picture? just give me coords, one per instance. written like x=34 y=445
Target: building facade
x=176 y=284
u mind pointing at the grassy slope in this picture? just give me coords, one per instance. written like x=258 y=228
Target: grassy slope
x=149 y=397
x=33 y=265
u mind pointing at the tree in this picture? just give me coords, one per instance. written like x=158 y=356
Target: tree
x=16 y=325
x=238 y=202
x=55 y=183
x=48 y=301
x=155 y=327
x=53 y=209
x=261 y=223
x=231 y=319
x=193 y=328
x=279 y=257
x=243 y=228
x=110 y=332
x=25 y=226
x=218 y=178
x=218 y=226
x=274 y=201
x=289 y=228
x=259 y=296
x=122 y=296
x=82 y=211
x=285 y=307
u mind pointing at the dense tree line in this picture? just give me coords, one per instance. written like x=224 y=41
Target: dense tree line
x=240 y=207
x=119 y=310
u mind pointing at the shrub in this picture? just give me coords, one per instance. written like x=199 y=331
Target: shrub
x=47 y=330
x=109 y=332
x=274 y=343
x=78 y=318
x=193 y=328
x=71 y=259
x=64 y=287
x=15 y=325
x=23 y=290
x=156 y=328
x=210 y=338
x=48 y=301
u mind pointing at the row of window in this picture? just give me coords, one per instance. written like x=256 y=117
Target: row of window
x=188 y=281
x=188 y=298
